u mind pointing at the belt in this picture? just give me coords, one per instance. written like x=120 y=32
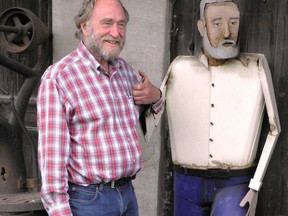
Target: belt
x=214 y=173
x=117 y=183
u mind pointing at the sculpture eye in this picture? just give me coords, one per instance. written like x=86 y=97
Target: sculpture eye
x=233 y=21
x=217 y=24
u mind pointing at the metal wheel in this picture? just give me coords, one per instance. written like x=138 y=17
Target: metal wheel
x=21 y=30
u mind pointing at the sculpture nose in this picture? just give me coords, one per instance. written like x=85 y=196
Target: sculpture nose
x=226 y=30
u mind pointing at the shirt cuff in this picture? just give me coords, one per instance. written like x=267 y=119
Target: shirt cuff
x=158 y=106
x=59 y=210
x=255 y=185
x=58 y=207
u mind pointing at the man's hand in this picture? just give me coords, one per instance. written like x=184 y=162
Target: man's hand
x=145 y=92
x=251 y=198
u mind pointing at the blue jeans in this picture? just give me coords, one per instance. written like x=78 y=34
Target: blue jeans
x=103 y=201
x=199 y=196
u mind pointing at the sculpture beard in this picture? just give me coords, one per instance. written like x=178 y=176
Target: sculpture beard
x=221 y=51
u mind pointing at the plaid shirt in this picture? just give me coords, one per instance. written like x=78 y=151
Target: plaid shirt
x=87 y=126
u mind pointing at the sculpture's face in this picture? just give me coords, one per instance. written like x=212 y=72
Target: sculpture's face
x=220 y=37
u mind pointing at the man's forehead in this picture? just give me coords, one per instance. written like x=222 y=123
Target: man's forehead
x=109 y=9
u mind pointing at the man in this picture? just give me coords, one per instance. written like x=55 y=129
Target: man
x=87 y=115
x=215 y=104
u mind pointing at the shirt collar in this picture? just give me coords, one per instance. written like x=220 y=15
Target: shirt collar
x=204 y=60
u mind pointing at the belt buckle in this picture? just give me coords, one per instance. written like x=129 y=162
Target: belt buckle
x=112 y=184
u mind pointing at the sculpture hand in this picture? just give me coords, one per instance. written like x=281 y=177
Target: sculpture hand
x=251 y=197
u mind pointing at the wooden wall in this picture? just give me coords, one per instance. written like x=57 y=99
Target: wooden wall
x=264 y=29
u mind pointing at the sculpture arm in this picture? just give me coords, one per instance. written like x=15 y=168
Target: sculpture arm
x=151 y=119
x=271 y=106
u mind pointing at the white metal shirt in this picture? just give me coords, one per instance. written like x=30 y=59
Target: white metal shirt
x=214 y=113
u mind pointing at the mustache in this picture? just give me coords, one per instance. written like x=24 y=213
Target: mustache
x=111 y=39
x=227 y=43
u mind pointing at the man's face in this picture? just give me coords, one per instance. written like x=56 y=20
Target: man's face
x=104 y=33
x=222 y=26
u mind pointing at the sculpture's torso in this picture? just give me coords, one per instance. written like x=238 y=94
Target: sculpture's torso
x=214 y=113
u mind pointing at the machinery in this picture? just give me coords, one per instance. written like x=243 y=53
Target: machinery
x=20 y=31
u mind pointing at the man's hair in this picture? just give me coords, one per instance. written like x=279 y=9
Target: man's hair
x=85 y=13
x=204 y=2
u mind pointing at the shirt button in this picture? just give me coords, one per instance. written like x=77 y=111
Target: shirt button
x=211 y=123
x=212 y=105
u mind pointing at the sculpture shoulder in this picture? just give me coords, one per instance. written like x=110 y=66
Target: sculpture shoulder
x=254 y=58
x=193 y=63
x=253 y=55
x=185 y=62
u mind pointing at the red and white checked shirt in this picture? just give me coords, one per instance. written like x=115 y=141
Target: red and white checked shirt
x=87 y=126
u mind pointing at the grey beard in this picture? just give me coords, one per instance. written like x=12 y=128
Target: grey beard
x=220 y=52
x=95 y=43
x=96 y=49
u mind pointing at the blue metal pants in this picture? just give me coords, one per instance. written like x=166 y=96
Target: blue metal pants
x=200 y=196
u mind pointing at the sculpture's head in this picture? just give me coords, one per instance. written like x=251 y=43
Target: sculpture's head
x=219 y=28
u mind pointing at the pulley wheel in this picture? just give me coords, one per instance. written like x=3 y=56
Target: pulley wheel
x=31 y=31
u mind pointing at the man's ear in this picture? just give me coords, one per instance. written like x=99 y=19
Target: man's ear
x=201 y=27
x=83 y=26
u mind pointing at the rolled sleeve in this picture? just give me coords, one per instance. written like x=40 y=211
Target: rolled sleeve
x=158 y=106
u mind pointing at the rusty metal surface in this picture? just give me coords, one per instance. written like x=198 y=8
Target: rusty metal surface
x=11 y=160
x=21 y=30
x=20 y=202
